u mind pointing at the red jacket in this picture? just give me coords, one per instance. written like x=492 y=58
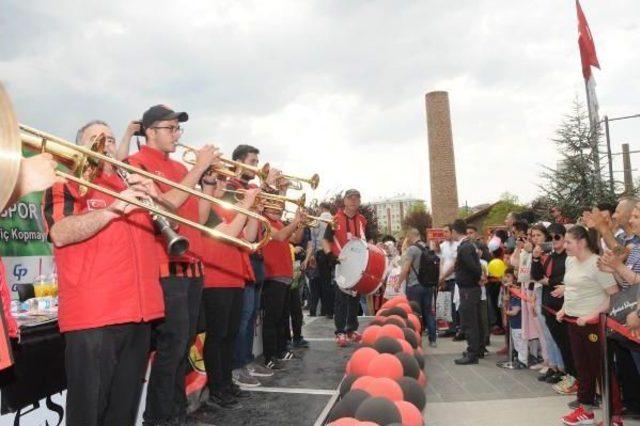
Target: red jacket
x=347 y=228
x=277 y=256
x=112 y=277
x=159 y=163
x=225 y=265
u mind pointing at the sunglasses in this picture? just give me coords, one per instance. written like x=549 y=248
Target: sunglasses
x=556 y=237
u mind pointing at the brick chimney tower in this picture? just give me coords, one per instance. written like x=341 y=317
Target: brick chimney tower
x=444 y=191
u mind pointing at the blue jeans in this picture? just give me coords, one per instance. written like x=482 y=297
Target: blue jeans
x=553 y=351
x=250 y=308
x=423 y=296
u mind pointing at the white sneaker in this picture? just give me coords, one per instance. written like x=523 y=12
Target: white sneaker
x=538 y=366
x=258 y=370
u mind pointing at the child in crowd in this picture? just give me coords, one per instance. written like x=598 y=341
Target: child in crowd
x=513 y=311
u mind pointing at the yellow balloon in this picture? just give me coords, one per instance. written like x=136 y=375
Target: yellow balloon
x=497 y=268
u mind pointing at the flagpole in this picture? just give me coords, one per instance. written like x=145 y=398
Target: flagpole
x=593 y=136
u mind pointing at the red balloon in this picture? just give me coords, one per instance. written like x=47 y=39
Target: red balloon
x=416 y=323
x=391 y=330
x=406 y=347
x=359 y=362
x=370 y=334
x=385 y=365
x=387 y=388
x=345 y=421
x=411 y=416
x=362 y=383
x=422 y=379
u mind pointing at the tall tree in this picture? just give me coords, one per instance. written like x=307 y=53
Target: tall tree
x=576 y=182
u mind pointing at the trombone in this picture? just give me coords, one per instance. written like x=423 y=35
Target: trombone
x=13 y=136
x=294 y=182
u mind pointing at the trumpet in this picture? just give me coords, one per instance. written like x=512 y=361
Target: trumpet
x=234 y=168
x=313 y=221
x=79 y=159
x=269 y=201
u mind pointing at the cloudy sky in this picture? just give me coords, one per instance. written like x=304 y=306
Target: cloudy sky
x=333 y=87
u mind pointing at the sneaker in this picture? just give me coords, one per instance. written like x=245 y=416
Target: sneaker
x=543 y=371
x=542 y=377
x=354 y=336
x=555 y=378
x=459 y=337
x=578 y=417
x=341 y=340
x=300 y=343
x=562 y=383
x=286 y=356
x=538 y=366
x=258 y=370
x=236 y=392
x=568 y=387
x=272 y=365
x=433 y=344
x=615 y=421
x=224 y=400
x=241 y=377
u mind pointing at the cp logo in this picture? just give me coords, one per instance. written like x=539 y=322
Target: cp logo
x=19 y=271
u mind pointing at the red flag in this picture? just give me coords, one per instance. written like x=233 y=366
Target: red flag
x=587 y=47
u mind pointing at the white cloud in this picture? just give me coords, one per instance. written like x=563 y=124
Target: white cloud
x=331 y=87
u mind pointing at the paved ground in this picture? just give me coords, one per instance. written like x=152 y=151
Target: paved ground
x=484 y=394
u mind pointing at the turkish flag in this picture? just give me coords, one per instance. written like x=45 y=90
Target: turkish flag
x=585 y=41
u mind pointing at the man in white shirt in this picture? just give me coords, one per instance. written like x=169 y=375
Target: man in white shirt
x=448 y=253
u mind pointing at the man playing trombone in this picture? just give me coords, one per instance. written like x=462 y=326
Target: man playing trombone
x=109 y=290
x=181 y=276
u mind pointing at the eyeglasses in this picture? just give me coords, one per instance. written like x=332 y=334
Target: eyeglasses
x=556 y=237
x=172 y=129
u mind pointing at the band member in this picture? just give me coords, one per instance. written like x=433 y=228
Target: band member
x=109 y=290
x=350 y=224
x=227 y=271
x=181 y=277
x=278 y=262
x=245 y=369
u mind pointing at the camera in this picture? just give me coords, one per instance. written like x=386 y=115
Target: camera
x=141 y=131
x=547 y=247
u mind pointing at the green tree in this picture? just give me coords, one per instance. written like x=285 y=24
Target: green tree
x=418 y=217
x=499 y=212
x=577 y=181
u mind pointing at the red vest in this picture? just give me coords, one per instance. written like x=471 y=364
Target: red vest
x=347 y=228
x=225 y=265
x=112 y=277
x=277 y=256
x=159 y=163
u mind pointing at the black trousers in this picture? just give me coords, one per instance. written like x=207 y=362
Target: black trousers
x=274 y=298
x=105 y=369
x=222 y=309
x=495 y=316
x=560 y=333
x=315 y=290
x=166 y=397
x=345 y=312
x=293 y=314
x=471 y=320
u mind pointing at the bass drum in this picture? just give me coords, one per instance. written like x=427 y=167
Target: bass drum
x=361 y=267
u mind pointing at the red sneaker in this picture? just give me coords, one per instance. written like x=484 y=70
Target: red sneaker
x=578 y=417
x=341 y=340
x=615 y=421
x=354 y=336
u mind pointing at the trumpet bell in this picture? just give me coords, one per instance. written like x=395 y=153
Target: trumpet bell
x=10 y=148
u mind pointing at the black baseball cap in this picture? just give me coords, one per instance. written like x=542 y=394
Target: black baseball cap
x=351 y=193
x=161 y=113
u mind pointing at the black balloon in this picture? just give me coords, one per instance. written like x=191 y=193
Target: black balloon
x=348 y=405
x=409 y=364
x=345 y=386
x=419 y=358
x=387 y=345
x=378 y=410
x=411 y=337
x=397 y=311
x=412 y=392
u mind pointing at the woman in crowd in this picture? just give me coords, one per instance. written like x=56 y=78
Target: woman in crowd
x=587 y=291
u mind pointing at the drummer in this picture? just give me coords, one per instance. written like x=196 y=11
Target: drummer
x=350 y=224
x=278 y=276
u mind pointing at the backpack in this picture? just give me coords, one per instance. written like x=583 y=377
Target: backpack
x=428 y=272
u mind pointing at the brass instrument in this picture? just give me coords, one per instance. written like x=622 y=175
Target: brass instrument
x=313 y=221
x=13 y=136
x=235 y=168
x=270 y=201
